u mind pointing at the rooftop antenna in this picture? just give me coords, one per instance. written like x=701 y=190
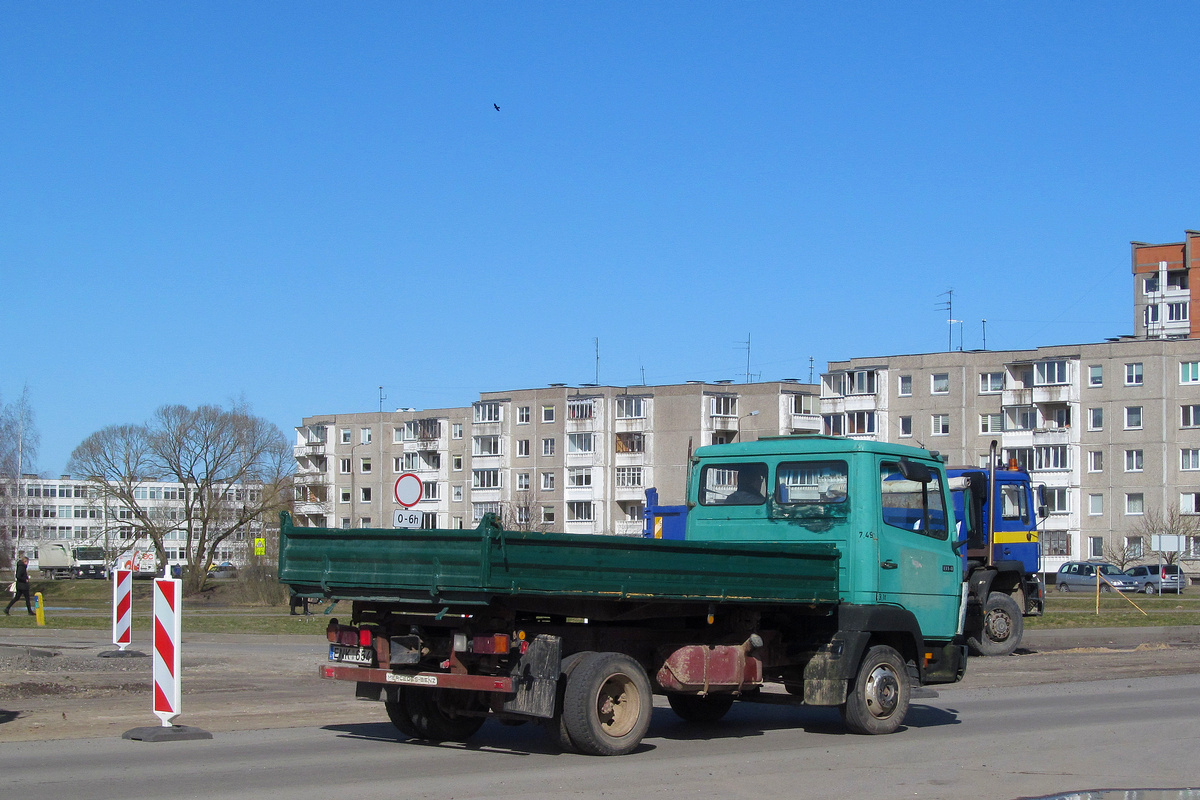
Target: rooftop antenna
x=382 y=397
x=948 y=305
x=596 y=341
x=643 y=376
x=747 y=358
x=810 y=368
x=985 y=334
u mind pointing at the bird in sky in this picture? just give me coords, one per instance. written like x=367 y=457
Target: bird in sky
x=496 y=106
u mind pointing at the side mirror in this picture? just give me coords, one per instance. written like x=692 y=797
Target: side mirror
x=914 y=471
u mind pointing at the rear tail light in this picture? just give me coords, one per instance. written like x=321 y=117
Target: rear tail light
x=490 y=644
x=364 y=638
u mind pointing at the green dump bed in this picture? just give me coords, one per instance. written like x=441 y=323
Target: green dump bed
x=477 y=566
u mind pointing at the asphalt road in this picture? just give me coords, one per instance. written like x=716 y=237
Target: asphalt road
x=1018 y=727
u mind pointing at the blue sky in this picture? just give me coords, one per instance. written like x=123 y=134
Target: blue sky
x=297 y=203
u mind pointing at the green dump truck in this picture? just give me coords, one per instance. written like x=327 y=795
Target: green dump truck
x=815 y=570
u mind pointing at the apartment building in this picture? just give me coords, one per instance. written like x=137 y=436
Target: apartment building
x=39 y=510
x=567 y=458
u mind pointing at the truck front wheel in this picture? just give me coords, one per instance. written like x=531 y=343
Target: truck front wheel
x=607 y=704
x=1002 y=627
x=700 y=708
x=878 y=700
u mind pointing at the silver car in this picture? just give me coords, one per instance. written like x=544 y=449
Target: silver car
x=1080 y=576
x=1155 y=578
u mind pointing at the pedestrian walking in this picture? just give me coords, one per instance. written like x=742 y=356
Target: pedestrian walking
x=21 y=585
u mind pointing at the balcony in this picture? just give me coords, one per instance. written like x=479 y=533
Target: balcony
x=805 y=423
x=313 y=449
x=628 y=527
x=1051 y=394
x=1052 y=436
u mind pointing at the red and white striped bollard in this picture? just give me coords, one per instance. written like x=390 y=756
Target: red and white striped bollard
x=122 y=608
x=168 y=594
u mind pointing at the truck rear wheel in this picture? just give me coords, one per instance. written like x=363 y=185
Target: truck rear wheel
x=397 y=711
x=700 y=708
x=879 y=697
x=1001 y=629
x=607 y=704
x=435 y=714
x=556 y=727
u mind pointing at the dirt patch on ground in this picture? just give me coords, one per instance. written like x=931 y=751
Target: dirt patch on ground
x=59 y=684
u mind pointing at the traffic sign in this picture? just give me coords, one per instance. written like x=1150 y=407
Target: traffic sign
x=406 y=518
x=408 y=490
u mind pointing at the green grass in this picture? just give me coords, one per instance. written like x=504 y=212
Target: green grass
x=239 y=607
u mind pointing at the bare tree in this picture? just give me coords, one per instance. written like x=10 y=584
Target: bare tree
x=1123 y=556
x=1171 y=522
x=19 y=442
x=521 y=513
x=234 y=468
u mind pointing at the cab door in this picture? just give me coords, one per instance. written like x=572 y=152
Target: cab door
x=918 y=568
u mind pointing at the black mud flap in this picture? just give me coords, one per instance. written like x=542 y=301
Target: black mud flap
x=535 y=678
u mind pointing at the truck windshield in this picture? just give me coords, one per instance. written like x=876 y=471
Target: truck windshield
x=733 y=484
x=89 y=553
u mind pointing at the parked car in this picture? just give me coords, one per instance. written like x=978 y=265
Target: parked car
x=1080 y=576
x=1156 y=578
x=222 y=571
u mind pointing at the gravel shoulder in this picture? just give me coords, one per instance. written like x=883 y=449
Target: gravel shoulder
x=56 y=684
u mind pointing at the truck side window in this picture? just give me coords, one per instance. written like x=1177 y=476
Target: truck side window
x=1012 y=502
x=810 y=482
x=910 y=505
x=733 y=484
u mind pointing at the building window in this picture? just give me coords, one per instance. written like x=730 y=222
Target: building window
x=859 y=382
x=364 y=466
x=803 y=404
x=1133 y=418
x=1022 y=455
x=1096 y=461
x=724 y=406
x=939 y=383
x=548 y=481
x=522 y=447
x=1096 y=547
x=1189 y=502
x=991 y=382
x=345 y=434
x=1133 y=460
x=457 y=463
x=1150 y=315
x=344 y=466
x=834 y=424
x=1051 y=457
x=1021 y=418
x=1049 y=373
x=1189 y=416
x=479 y=509
x=397 y=435
x=579 y=477
x=344 y=496
x=1095 y=419
x=365 y=494
x=1177 y=312
x=548 y=514
x=485 y=445
x=939 y=425
x=523 y=415
x=991 y=423
x=485 y=479
x=456 y=493
x=1057 y=543
x=1189 y=459
x=1134 y=547
x=1133 y=374
x=631 y=408
x=579 y=409
x=580 y=511
x=580 y=442
x=631 y=443
x=1135 y=504
x=906 y=426
x=547 y=447
x=1095 y=375
x=629 y=477
x=1058 y=417
x=860 y=422
x=522 y=481
x=905 y=389
x=1058 y=500
x=1150 y=285
x=1095 y=505
x=429 y=490
x=1189 y=372
x=547 y=413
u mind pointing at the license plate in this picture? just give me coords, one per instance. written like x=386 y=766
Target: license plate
x=351 y=655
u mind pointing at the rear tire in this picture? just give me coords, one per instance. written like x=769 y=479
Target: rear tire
x=879 y=695
x=436 y=714
x=701 y=708
x=397 y=711
x=607 y=704
x=1151 y=589
x=1001 y=627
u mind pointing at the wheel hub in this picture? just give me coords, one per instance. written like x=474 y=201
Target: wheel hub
x=882 y=691
x=998 y=626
